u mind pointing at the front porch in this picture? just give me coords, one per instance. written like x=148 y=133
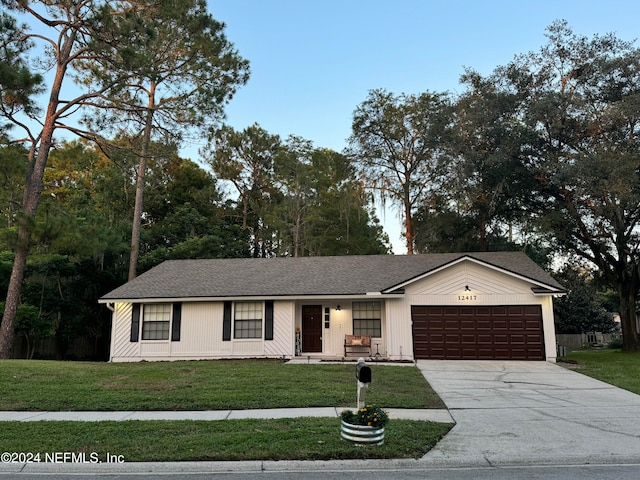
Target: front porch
x=323 y=327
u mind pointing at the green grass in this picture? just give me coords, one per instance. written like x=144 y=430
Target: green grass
x=621 y=369
x=209 y=385
x=203 y=385
x=159 y=441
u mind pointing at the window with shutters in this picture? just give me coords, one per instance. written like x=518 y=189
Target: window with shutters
x=367 y=319
x=247 y=320
x=156 y=321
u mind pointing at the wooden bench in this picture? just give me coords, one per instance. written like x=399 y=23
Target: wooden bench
x=357 y=344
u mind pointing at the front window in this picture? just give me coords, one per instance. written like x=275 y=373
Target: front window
x=155 y=321
x=247 y=320
x=367 y=319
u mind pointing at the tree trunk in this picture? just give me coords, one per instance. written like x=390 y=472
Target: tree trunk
x=628 y=322
x=38 y=157
x=408 y=228
x=482 y=241
x=11 y=303
x=142 y=167
x=137 y=217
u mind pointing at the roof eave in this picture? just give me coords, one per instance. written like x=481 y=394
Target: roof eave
x=250 y=298
x=541 y=292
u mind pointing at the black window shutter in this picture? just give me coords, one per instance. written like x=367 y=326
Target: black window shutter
x=268 y=320
x=135 y=322
x=177 y=320
x=226 y=322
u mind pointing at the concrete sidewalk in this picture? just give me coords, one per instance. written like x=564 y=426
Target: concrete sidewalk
x=441 y=416
x=258 y=466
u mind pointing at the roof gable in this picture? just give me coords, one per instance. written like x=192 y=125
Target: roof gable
x=525 y=270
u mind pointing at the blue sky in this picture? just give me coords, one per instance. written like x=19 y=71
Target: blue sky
x=313 y=61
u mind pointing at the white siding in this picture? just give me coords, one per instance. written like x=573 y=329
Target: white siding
x=339 y=325
x=121 y=346
x=155 y=348
x=483 y=281
x=283 y=343
x=201 y=331
x=399 y=337
x=201 y=336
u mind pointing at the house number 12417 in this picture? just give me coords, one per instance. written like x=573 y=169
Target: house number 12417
x=467 y=297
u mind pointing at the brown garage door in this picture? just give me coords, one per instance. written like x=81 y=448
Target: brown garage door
x=511 y=332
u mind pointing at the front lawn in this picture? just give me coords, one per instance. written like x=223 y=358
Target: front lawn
x=208 y=385
x=222 y=440
x=203 y=385
x=621 y=369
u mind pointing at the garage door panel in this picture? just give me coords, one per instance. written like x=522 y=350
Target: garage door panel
x=501 y=324
x=450 y=312
x=437 y=325
x=468 y=324
x=481 y=332
x=451 y=324
x=502 y=354
x=483 y=324
x=469 y=339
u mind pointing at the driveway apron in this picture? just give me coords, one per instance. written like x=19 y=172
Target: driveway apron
x=531 y=413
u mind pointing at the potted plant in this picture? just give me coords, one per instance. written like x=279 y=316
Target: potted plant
x=364 y=426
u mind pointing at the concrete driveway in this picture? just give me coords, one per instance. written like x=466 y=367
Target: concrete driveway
x=531 y=413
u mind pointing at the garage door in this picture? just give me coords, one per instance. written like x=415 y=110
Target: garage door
x=511 y=332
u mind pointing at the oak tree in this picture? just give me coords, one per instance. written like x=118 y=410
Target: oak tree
x=580 y=101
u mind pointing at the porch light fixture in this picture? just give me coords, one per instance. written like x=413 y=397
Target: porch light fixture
x=466 y=288
x=338 y=308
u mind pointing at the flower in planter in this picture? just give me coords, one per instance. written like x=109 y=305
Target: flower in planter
x=369 y=415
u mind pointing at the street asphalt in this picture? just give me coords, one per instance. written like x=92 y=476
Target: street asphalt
x=507 y=413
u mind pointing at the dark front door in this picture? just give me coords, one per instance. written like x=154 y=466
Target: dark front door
x=312 y=328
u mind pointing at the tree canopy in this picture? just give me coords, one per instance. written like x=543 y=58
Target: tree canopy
x=540 y=155
x=120 y=56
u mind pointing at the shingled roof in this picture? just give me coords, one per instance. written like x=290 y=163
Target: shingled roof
x=306 y=276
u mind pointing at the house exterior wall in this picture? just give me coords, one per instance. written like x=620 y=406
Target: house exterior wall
x=202 y=322
x=201 y=336
x=283 y=343
x=121 y=347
